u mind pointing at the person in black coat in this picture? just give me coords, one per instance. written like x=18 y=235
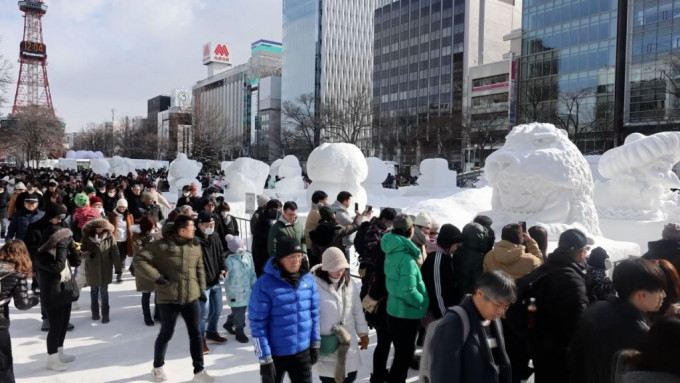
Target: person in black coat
x=261 y=234
x=481 y=357
x=4 y=207
x=58 y=289
x=438 y=273
x=225 y=223
x=560 y=299
x=668 y=247
x=607 y=327
x=15 y=266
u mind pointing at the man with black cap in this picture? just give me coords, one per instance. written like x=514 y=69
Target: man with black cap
x=24 y=216
x=285 y=301
x=215 y=271
x=31 y=191
x=560 y=300
x=438 y=273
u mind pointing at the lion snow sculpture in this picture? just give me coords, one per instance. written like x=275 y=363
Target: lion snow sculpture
x=539 y=176
x=640 y=177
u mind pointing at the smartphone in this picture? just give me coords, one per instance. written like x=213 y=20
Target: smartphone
x=356 y=206
x=369 y=208
x=524 y=225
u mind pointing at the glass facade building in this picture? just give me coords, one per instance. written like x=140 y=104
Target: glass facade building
x=568 y=66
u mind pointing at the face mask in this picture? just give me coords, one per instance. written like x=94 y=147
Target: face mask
x=272 y=214
x=186 y=194
x=61 y=217
x=225 y=214
x=94 y=238
x=2 y=191
x=102 y=190
x=209 y=230
x=100 y=210
x=111 y=195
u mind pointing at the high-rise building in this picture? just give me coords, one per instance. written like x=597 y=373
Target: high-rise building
x=153 y=107
x=423 y=50
x=328 y=53
x=568 y=68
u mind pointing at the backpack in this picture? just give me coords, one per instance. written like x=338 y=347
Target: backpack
x=517 y=317
x=359 y=242
x=425 y=362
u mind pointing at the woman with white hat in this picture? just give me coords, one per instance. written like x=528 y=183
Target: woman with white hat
x=341 y=318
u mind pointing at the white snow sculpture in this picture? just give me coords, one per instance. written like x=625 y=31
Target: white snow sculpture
x=435 y=174
x=539 y=176
x=245 y=175
x=290 y=173
x=225 y=164
x=83 y=155
x=639 y=177
x=100 y=166
x=121 y=166
x=337 y=167
x=183 y=171
x=274 y=168
x=377 y=173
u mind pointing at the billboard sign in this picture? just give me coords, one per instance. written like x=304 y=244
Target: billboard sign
x=216 y=52
x=33 y=50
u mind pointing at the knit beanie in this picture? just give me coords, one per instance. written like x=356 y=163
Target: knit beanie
x=671 y=232
x=234 y=244
x=81 y=199
x=423 y=219
x=333 y=259
x=286 y=246
x=402 y=222
x=599 y=259
x=122 y=202
x=512 y=232
x=262 y=200
x=54 y=210
x=94 y=200
x=448 y=235
x=89 y=189
x=326 y=213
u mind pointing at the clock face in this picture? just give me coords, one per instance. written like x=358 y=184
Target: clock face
x=183 y=96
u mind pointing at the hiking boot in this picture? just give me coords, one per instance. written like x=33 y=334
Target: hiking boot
x=159 y=375
x=241 y=336
x=206 y=350
x=202 y=377
x=215 y=337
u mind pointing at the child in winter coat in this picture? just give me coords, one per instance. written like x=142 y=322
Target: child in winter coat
x=238 y=284
x=83 y=214
x=599 y=286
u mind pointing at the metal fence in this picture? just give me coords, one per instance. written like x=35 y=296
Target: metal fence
x=244 y=231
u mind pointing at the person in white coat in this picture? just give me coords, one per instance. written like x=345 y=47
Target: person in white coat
x=341 y=317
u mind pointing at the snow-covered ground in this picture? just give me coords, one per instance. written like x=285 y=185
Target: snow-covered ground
x=122 y=350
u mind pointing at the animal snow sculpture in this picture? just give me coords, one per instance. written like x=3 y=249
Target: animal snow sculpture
x=640 y=176
x=540 y=176
x=337 y=167
x=121 y=166
x=435 y=174
x=245 y=175
x=183 y=171
x=290 y=172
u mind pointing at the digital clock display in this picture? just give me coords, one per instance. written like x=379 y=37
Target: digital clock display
x=33 y=50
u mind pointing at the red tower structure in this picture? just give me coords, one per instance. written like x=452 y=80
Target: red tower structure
x=33 y=88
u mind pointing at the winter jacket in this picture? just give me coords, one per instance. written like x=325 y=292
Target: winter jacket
x=255 y=218
x=259 y=247
x=561 y=299
x=135 y=205
x=372 y=237
x=311 y=223
x=603 y=329
x=329 y=234
x=13 y=285
x=664 y=249
x=20 y=220
x=110 y=203
x=139 y=242
x=284 y=319
x=130 y=221
x=344 y=218
x=179 y=261
x=440 y=282
x=213 y=257
x=283 y=228
x=516 y=260
x=56 y=287
x=598 y=285
x=225 y=225
x=83 y=215
x=625 y=373
x=240 y=279
x=407 y=297
x=4 y=204
x=330 y=312
x=467 y=361
x=152 y=211
x=469 y=259
x=100 y=257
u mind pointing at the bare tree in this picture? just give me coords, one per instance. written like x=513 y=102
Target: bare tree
x=97 y=137
x=486 y=131
x=38 y=133
x=389 y=133
x=349 y=118
x=6 y=79
x=304 y=124
x=210 y=140
x=575 y=114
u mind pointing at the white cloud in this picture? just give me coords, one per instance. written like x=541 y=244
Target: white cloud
x=105 y=54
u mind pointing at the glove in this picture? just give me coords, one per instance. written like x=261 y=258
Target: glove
x=203 y=298
x=369 y=304
x=119 y=276
x=161 y=281
x=314 y=355
x=268 y=372
x=363 y=342
x=77 y=245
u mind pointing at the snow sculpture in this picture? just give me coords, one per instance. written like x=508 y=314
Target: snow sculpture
x=274 y=169
x=539 y=176
x=183 y=171
x=225 y=164
x=83 y=154
x=290 y=173
x=639 y=177
x=435 y=174
x=337 y=167
x=377 y=173
x=245 y=175
x=100 y=166
x=121 y=166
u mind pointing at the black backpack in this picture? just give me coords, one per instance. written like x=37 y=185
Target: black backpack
x=517 y=315
x=359 y=242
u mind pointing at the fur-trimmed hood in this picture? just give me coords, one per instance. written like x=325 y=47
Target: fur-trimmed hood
x=50 y=246
x=96 y=223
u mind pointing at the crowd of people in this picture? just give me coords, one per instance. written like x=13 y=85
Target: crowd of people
x=481 y=309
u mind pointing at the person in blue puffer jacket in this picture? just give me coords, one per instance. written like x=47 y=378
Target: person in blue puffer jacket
x=284 y=317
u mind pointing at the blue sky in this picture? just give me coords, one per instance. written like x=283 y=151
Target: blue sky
x=105 y=54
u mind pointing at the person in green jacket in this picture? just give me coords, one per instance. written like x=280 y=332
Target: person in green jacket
x=286 y=226
x=175 y=264
x=407 y=300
